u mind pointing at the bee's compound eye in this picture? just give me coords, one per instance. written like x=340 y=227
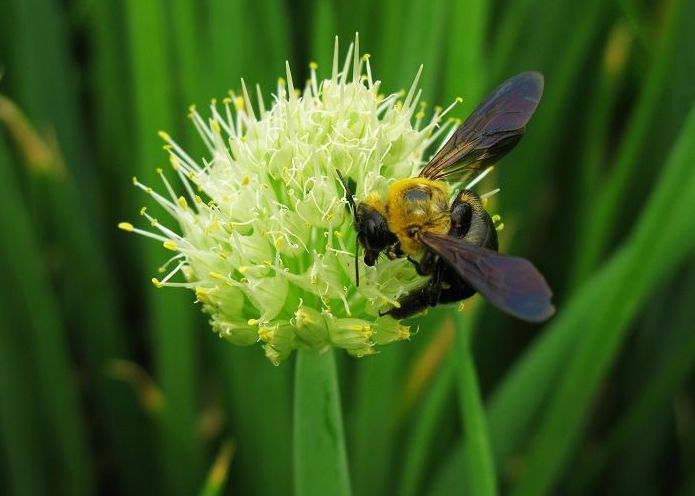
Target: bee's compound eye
x=370 y=228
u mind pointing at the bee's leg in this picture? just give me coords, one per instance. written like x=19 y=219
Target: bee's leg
x=426 y=265
x=436 y=285
x=415 y=302
x=395 y=251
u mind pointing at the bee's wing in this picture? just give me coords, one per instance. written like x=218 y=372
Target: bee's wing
x=492 y=130
x=510 y=283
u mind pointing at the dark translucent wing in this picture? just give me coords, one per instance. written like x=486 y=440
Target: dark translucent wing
x=493 y=128
x=512 y=284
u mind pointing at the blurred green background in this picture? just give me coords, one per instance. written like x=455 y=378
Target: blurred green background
x=108 y=385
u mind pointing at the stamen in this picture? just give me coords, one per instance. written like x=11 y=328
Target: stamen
x=487 y=195
x=413 y=87
x=480 y=177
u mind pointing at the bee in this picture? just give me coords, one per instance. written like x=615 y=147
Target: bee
x=456 y=243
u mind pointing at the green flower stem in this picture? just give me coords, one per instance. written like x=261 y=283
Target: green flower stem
x=480 y=463
x=320 y=456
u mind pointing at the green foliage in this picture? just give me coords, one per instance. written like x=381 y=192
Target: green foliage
x=600 y=195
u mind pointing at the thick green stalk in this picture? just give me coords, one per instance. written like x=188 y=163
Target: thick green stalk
x=320 y=458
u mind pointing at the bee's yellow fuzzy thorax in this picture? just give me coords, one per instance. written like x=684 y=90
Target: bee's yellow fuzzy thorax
x=417 y=203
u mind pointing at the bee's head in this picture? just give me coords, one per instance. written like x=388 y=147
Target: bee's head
x=373 y=232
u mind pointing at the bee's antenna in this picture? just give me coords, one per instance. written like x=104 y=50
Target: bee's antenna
x=351 y=200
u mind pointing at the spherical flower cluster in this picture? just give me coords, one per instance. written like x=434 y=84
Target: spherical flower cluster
x=266 y=238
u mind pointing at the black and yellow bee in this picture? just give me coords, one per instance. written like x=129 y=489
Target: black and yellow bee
x=457 y=243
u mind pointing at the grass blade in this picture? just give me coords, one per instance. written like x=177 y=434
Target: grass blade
x=171 y=321
x=422 y=432
x=320 y=459
x=519 y=398
x=605 y=328
x=27 y=289
x=217 y=476
x=604 y=211
x=26 y=470
x=481 y=465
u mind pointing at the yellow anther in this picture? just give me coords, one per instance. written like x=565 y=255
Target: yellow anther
x=191 y=108
x=226 y=100
x=243 y=269
x=198 y=199
x=366 y=56
x=183 y=203
x=164 y=135
x=215 y=126
x=157 y=283
x=423 y=104
x=279 y=242
x=399 y=105
x=174 y=161
x=159 y=170
x=170 y=245
x=245 y=180
x=135 y=180
x=281 y=81
x=267 y=263
x=496 y=218
x=143 y=210
x=148 y=190
x=461 y=306
x=217 y=275
x=202 y=294
x=243 y=280
x=500 y=226
x=265 y=334
x=126 y=226
x=420 y=115
x=396 y=304
x=242 y=139
x=459 y=99
x=438 y=109
x=154 y=222
x=403 y=332
x=213 y=101
x=252 y=322
x=238 y=103
x=313 y=66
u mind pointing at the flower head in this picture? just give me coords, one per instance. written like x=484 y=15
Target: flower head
x=265 y=238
